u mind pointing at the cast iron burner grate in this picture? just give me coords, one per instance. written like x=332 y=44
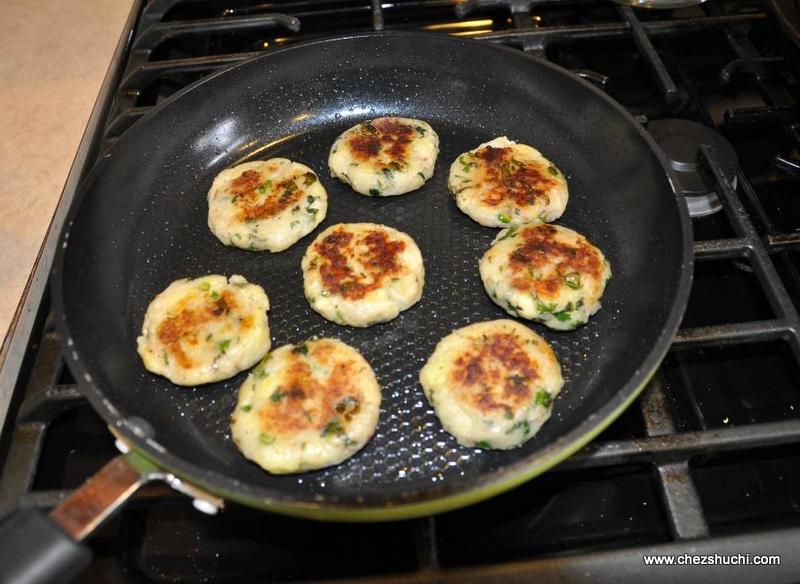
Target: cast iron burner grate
x=707 y=458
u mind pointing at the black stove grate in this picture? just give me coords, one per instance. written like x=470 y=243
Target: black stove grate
x=706 y=459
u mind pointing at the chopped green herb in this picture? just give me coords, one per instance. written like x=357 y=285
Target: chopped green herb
x=543 y=308
x=420 y=131
x=347 y=406
x=505 y=171
x=420 y=175
x=466 y=166
x=508 y=415
x=205 y=286
x=511 y=232
x=333 y=428
x=265 y=187
x=387 y=172
x=563 y=315
x=214 y=295
x=208 y=336
x=543 y=399
x=166 y=358
x=277 y=396
x=301 y=349
x=375 y=192
x=312 y=212
x=223 y=345
x=523 y=426
x=309 y=178
x=266 y=439
x=339 y=316
x=294 y=224
x=504 y=218
x=310 y=199
x=552 y=170
x=246 y=408
x=394 y=165
x=572 y=280
x=483 y=444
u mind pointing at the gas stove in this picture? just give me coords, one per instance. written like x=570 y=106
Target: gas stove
x=706 y=461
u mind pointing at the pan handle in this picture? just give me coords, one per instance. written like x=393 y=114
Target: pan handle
x=38 y=549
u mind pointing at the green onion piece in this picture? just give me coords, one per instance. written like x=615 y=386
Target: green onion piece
x=246 y=407
x=223 y=345
x=510 y=233
x=205 y=286
x=483 y=444
x=504 y=218
x=309 y=178
x=277 y=395
x=333 y=428
x=374 y=192
x=265 y=187
x=543 y=308
x=552 y=170
x=266 y=439
x=572 y=280
x=543 y=399
x=301 y=349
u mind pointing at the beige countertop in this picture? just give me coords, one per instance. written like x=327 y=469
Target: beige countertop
x=54 y=55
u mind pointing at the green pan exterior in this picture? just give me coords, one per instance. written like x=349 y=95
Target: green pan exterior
x=142 y=461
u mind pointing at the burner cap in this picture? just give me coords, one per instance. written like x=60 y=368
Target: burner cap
x=680 y=140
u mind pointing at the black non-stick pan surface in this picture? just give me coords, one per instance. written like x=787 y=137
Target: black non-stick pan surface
x=140 y=223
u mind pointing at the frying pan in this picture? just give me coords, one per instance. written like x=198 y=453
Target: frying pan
x=140 y=223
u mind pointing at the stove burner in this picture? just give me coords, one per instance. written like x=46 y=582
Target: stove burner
x=680 y=140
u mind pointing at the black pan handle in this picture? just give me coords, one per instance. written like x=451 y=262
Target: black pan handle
x=37 y=549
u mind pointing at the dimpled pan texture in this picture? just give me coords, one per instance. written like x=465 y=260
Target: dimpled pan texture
x=140 y=223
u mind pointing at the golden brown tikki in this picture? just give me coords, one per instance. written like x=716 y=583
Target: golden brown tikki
x=546 y=273
x=386 y=156
x=492 y=384
x=502 y=183
x=306 y=406
x=360 y=274
x=266 y=205
x=206 y=329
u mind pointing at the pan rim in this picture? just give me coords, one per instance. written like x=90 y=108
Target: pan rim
x=431 y=500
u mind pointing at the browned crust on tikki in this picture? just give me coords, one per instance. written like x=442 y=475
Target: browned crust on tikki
x=540 y=247
x=380 y=262
x=497 y=374
x=506 y=179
